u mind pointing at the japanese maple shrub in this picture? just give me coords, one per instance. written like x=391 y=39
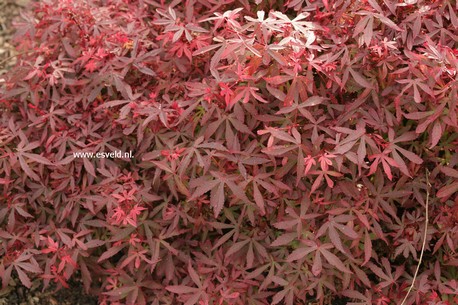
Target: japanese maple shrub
x=284 y=152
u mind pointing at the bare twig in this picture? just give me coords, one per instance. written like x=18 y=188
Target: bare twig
x=13 y=56
x=424 y=237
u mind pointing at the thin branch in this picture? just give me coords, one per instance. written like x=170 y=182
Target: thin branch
x=13 y=56
x=428 y=185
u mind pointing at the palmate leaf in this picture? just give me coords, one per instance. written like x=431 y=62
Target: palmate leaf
x=335 y=224
x=386 y=162
x=258 y=198
x=191 y=294
x=319 y=250
x=448 y=190
x=203 y=185
x=110 y=252
x=217 y=199
x=300 y=253
x=216 y=184
x=25 y=280
x=24 y=264
x=287 y=294
x=236 y=247
x=326 y=175
x=364 y=299
x=333 y=259
x=298 y=221
x=180 y=289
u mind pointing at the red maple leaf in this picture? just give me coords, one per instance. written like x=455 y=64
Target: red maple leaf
x=91 y=66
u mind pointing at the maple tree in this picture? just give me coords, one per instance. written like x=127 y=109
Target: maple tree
x=285 y=152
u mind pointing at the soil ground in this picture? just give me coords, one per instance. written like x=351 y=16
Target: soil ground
x=20 y=295
x=9 y=9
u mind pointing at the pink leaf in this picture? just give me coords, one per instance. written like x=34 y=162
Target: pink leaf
x=334 y=260
x=367 y=248
x=258 y=199
x=448 y=190
x=193 y=274
x=217 y=199
x=23 y=277
x=300 y=253
x=283 y=239
x=37 y=158
x=89 y=167
x=27 y=169
x=335 y=238
x=237 y=247
x=361 y=80
x=110 y=252
x=436 y=134
x=450 y=172
x=317 y=264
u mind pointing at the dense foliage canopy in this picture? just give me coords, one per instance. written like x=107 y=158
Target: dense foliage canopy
x=284 y=152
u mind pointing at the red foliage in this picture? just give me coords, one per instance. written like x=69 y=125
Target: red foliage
x=280 y=151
